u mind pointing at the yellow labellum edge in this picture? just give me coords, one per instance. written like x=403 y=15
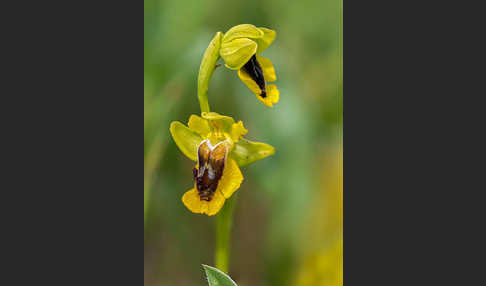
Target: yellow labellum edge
x=231 y=179
x=267 y=68
x=249 y=82
x=192 y=201
x=273 y=95
x=228 y=184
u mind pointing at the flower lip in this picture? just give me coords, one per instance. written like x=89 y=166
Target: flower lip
x=211 y=162
x=254 y=70
x=271 y=93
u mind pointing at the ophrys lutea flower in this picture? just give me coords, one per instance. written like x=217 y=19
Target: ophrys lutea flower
x=240 y=49
x=216 y=144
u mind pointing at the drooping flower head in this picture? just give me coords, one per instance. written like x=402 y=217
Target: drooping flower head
x=216 y=144
x=240 y=49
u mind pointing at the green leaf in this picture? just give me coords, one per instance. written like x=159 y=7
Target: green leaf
x=217 y=277
x=246 y=151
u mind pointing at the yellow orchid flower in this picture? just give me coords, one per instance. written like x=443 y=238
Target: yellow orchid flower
x=240 y=49
x=215 y=142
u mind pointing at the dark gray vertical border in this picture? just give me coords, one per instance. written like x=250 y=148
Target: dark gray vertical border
x=72 y=190
x=413 y=83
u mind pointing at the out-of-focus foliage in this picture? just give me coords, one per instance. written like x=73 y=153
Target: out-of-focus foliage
x=288 y=217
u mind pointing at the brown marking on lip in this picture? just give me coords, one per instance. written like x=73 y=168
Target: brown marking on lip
x=211 y=163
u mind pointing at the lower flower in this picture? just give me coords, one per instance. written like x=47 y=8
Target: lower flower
x=215 y=142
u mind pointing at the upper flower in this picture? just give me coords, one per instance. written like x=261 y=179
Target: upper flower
x=240 y=49
x=215 y=142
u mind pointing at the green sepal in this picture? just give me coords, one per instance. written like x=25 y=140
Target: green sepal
x=238 y=52
x=246 y=151
x=186 y=139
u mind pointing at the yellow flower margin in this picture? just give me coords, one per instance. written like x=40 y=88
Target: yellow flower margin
x=242 y=42
x=217 y=128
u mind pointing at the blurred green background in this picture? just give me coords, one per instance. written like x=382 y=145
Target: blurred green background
x=288 y=218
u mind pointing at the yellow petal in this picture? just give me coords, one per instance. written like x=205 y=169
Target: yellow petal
x=249 y=82
x=246 y=151
x=199 y=125
x=238 y=52
x=238 y=130
x=192 y=201
x=266 y=40
x=243 y=31
x=215 y=204
x=272 y=95
x=267 y=68
x=186 y=139
x=231 y=179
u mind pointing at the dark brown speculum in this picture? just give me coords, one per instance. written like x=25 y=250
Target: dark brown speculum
x=204 y=184
x=254 y=70
x=211 y=163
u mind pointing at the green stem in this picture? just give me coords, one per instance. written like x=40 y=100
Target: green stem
x=225 y=218
x=223 y=230
x=208 y=64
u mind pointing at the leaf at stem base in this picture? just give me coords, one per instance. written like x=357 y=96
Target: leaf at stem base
x=217 y=277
